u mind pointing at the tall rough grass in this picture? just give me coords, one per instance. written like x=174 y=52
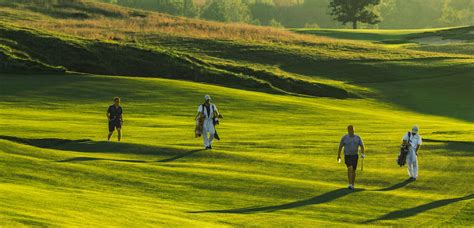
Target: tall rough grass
x=104 y=21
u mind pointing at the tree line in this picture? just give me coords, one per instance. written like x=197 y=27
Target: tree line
x=387 y=14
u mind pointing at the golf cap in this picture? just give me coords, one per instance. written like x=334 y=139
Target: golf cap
x=207 y=97
x=414 y=129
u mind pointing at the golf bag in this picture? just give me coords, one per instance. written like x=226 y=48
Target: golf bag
x=402 y=158
x=199 y=126
x=215 y=121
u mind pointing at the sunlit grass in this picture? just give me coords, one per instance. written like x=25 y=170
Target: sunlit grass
x=276 y=164
x=275 y=150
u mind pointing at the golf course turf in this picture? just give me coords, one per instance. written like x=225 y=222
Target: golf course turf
x=286 y=104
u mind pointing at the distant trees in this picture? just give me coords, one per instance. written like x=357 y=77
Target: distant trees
x=185 y=8
x=227 y=11
x=263 y=12
x=354 y=11
x=316 y=13
x=457 y=12
x=411 y=13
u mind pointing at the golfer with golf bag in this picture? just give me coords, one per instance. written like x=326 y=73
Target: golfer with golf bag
x=351 y=143
x=409 y=152
x=206 y=119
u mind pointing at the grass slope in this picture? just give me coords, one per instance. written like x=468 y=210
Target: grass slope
x=274 y=167
x=107 y=39
x=458 y=40
x=276 y=163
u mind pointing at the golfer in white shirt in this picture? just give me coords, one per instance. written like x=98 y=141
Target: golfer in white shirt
x=413 y=139
x=210 y=113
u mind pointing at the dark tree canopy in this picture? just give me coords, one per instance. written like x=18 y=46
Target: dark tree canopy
x=353 y=11
x=227 y=11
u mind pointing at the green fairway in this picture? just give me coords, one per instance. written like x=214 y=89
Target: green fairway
x=287 y=97
x=276 y=164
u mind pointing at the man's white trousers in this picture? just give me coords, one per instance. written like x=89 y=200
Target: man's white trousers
x=208 y=132
x=412 y=162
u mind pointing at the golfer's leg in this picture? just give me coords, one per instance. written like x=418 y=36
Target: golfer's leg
x=349 y=174
x=211 y=138
x=409 y=164
x=409 y=169
x=415 y=168
x=110 y=135
x=353 y=176
x=204 y=136
x=119 y=134
x=212 y=131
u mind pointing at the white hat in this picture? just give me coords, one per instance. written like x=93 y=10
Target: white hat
x=207 y=97
x=414 y=129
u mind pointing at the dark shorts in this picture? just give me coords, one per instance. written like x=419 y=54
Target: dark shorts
x=351 y=160
x=114 y=124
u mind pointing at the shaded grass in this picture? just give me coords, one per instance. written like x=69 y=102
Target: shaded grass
x=324 y=198
x=392 y=36
x=419 y=209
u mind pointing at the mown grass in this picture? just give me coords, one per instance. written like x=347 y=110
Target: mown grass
x=385 y=36
x=463 y=37
x=275 y=166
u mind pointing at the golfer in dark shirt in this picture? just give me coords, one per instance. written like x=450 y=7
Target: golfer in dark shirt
x=351 y=143
x=114 y=115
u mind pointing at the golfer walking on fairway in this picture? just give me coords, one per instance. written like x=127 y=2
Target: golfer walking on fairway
x=209 y=113
x=114 y=115
x=413 y=140
x=351 y=143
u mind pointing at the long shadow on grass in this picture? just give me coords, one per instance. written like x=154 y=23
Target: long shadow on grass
x=89 y=146
x=180 y=156
x=82 y=159
x=396 y=186
x=419 y=209
x=466 y=147
x=324 y=198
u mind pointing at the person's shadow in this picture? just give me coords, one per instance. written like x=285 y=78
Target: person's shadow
x=324 y=198
x=182 y=155
x=419 y=209
x=396 y=186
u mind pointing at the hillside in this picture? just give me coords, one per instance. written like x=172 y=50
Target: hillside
x=458 y=40
x=111 y=40
x=286 y=98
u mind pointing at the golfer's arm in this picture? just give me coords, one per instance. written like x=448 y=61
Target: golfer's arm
x=417 y=148
x=362 y=148
x=218 y=114
x=108 y=115
x=339 y=151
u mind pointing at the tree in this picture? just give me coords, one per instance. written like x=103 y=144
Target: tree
x=190 y=9
x=263 y=11
x=354 y=11
x=227 y=11
x=411 y=14
x=456 y=13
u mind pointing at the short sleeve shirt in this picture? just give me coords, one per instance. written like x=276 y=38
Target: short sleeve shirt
x=115 y=113
x=414 y=140
x=351 y=144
